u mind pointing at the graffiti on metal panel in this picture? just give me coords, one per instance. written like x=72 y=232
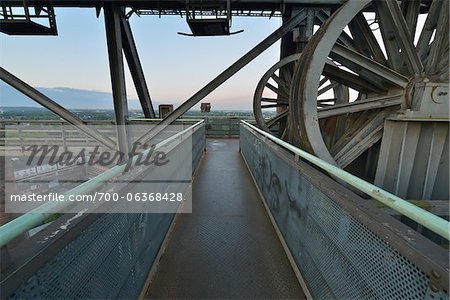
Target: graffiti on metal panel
x=270 y=182
x=293 y=205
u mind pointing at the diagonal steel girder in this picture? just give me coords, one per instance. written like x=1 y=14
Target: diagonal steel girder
x=51 y=105
x=134 y=64
x=225 y=75
x=116 y=68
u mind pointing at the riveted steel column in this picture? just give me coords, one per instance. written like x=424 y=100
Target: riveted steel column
x=134 y=64
x=114 y=41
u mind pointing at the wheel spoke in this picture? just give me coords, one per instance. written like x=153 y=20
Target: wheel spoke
x=324 y=105
x=395 y=16
x=361 y=105
x=366 y=67
x=281 y=83
x=279 y=75
x=412 y=13
x=326 y=100
x=327 y=88
x=277 y=118
x=359 y=27
x=351 y=146
x=322 y=81
x=443 y=65
x=440 y=41
x=283 y=135
x=359 y=146
x=356 y=124
x=281 y=101
x=272 y=105
x=344 y=38
x=395 y=60
x=287 y=76
x=277 y=91
x=428 y=28
x=349 y=79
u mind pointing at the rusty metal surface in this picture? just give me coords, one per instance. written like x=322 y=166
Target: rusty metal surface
x=227 y=248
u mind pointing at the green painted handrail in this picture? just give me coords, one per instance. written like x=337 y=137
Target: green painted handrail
x=426 y=219
x=20 y=225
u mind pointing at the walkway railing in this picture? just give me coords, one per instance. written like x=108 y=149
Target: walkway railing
x=343 y=245
x=27 y=221
x=421 y=216
x=62 y=133
x=88 y=255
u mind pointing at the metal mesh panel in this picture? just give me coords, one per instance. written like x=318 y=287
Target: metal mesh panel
x=111 y=258
x=198 y=145
x=338 y=256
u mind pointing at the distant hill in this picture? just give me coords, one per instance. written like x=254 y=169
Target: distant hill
x=67 y=97
x=79 y=99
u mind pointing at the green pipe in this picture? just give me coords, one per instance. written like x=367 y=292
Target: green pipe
x=432 y=222
x=18 y=226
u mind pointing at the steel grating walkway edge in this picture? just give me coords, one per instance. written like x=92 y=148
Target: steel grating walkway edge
x=227 y=247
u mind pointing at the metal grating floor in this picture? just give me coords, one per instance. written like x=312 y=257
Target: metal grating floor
x=227 y=248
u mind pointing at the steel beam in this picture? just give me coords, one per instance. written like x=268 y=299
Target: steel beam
x=281 y=101
x=174 y=4
x=114 y=41
x=277 y=118
x=134 y=64
x=440 y=41
x=344 y=38
x=361 y=31
x=361 y=140
x=349 y=79
x=327 y=88
x=412 y=14
x=395 y=59
x=367 y=67
x=394 y=14
x=51 y=105
x=428 y=28
x=225 y=75
x=360 y=105
x=282 y=92
x=351 y=130
x=283 y=85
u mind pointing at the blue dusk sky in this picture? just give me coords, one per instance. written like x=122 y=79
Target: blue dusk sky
x=175 y=66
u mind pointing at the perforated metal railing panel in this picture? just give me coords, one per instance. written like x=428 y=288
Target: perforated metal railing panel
x=338 y=256
x=110 y=259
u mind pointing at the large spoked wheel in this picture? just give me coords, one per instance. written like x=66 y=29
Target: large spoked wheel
x=272 y=93
x=382 y=66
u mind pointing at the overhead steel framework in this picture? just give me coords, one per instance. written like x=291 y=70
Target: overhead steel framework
x=361 y=84
x=353 y=77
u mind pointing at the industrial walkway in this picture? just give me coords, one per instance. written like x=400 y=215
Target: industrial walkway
x=227 y=248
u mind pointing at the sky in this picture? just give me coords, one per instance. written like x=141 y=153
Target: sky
x=175 y=66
